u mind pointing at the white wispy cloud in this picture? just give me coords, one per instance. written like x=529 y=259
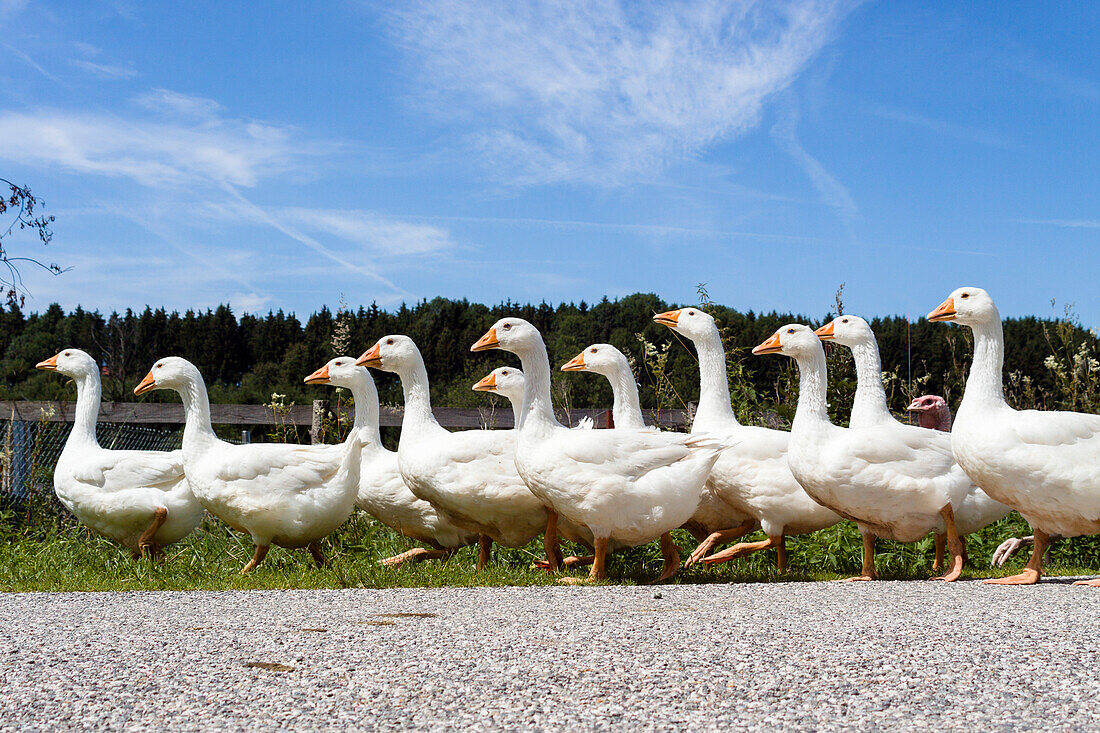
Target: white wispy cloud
x=105 y=71
x=949 y=129
x=833 y=193
x=1064 y=223
x=211 y=149
x=380 y=234
x=606 y=91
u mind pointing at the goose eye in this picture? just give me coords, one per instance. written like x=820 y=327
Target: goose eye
x=965 y=295
x=691 y=313
x=790 y=330
x=845 y=320
x=504 y=373
x=389 y=341
x=338 y=363
x=507 y=326
x=67 y=354
x=594 y=350
x=159 y=366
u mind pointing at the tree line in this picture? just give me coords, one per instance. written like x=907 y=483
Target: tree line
x=245 y=359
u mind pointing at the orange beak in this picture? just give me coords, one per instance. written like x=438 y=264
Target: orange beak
x=488 y=341
x=771 y=346
x=50 y=365
x=945 y=311
x=668 y=318
x=576 y=364
x=372 y=357
x=825 y=333
x=488 y=383
x=146 y=385
x=318 y=377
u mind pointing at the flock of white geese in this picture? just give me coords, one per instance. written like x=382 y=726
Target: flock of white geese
x=612 y=488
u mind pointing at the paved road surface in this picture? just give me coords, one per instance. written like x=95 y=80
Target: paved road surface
x=812 y=656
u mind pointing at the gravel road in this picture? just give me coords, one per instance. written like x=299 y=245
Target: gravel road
x=813 y=656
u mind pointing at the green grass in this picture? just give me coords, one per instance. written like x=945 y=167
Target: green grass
x=47 y=551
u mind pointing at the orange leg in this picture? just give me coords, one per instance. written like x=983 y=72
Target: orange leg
x=145 y=542
x=257 y=558
x=417 y=554
x=954 y=546
x=551 y=543
x=718 y=538
x=868 y=559
x=941 y=542
x=745 y=548
x=781 y=551
x=1034 y=569
x=484 y=544
x=1095 y=582
x=671 y=554
x=318 y=555
x=599 y=564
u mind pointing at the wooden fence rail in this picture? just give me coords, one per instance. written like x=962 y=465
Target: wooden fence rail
x=302 y=415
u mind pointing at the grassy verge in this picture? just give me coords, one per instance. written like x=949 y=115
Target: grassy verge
x=53 y=553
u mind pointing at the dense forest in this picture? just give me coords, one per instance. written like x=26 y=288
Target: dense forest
x=1050 y=363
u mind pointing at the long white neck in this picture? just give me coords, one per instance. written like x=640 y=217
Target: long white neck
x=516 y=401
x=985 y=386
x=869 y=405
x=538 y=409
x=197 y=430
x=813 y=405
x=365 y=395
x=88 y=396
x=626 y=410
x=714 y=388
x=418 y=403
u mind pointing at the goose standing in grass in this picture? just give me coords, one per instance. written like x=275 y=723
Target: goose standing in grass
x=895 y=481
x=382 y=492
x=869 y=408
x=1045 y=465
x=138 y=498
x=469 y=476
x=932 y=412
x=752 y=476
x=626 y=485
x=277 y=493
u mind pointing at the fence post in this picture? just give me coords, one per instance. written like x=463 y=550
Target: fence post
x=319 y=408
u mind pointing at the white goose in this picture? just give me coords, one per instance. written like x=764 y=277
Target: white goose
x=282 y=494
x=869 y=408
x=612 y=364
x=895 y=481
x=752 y=476
x=138 y=498
x=469 y=476
x=630 y=486
x=382 y=492
x=509 y=382
x=1045 y=465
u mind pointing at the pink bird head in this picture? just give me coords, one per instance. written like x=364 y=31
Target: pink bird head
x=932 y=412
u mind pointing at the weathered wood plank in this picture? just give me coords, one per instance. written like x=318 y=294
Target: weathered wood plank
x=301 y=415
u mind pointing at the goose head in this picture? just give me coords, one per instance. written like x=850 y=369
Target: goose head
x=602 y=359
x=847 y=330
x=171 y=372
x=70 y=362
x=507 y=381
x=510 y=334
x=969 y=306
x=394 y=353
x=339 y=372
x=793 y=340
x=690 y=322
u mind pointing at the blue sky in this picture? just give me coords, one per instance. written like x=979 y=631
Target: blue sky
x=283 y=157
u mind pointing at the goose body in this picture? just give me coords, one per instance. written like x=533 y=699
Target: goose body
x=283 y=494
x=140 y=499
x=382 y=491
x=629 y=485
x=469 y=476
x=870 y=409
x=895 y=481
x=752 y=476
x=1045 y=465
